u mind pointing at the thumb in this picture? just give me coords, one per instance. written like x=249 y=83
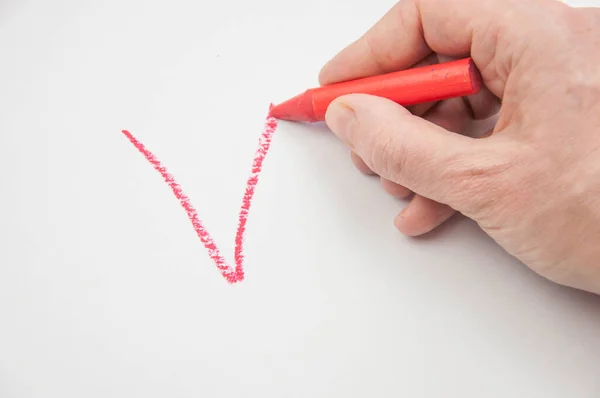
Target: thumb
x=406 y=149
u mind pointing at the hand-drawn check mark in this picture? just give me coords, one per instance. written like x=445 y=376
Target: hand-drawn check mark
x=231 y=274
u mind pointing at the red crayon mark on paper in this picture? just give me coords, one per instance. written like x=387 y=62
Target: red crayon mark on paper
x=231 y=274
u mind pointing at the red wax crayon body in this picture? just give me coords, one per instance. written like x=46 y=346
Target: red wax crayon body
x=406 y=87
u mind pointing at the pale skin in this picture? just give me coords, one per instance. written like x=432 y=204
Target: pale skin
x=533 y=182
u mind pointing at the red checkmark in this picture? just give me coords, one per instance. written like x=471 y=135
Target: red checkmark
x=231 y=274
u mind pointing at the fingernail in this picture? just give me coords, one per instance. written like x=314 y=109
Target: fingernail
x=487 y=134
x=341 y=119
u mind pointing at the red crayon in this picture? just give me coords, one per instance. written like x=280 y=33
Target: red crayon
x=406 y=87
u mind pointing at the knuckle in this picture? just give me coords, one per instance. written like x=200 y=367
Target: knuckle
x=484 y=179
x=380 y=60
x=388 y=155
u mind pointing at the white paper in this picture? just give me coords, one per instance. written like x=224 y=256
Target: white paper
x=106 y=291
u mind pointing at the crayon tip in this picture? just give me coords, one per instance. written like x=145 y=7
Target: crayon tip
x=297 y=109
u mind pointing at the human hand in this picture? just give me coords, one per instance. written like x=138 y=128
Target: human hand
x=533 y=183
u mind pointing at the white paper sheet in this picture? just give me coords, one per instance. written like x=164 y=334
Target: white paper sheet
x=106 y=291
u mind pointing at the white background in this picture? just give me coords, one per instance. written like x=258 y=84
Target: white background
x=105 y=290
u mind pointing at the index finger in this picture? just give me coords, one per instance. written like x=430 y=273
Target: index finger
x=412 y=29
x=393 y=43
